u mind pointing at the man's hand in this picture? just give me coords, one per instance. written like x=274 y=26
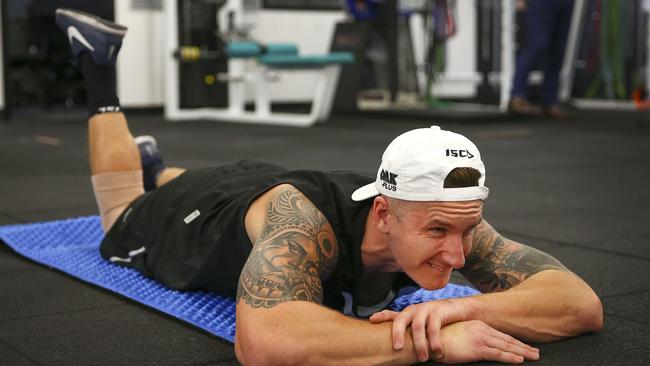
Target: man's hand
x=474 y=340
x=429 y=324
x=426 y=320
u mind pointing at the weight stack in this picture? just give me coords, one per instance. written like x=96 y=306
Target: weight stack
x=197 y=26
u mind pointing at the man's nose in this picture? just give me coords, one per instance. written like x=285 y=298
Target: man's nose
x=453 y=254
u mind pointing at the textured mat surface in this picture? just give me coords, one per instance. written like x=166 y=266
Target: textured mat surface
x=71 y=246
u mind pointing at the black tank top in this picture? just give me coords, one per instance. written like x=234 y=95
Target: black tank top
x=195 y=238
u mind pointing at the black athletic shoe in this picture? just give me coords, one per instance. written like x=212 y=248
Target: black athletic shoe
x=152 y=161
x=86 y=32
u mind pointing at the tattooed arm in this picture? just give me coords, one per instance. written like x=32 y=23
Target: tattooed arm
x=528 y=293
x=279 y=316
x=496 y=264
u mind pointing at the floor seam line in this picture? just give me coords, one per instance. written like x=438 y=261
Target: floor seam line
x=60 y=312
x=17 y=271
x=626 y=318
x=636 y=292
x=14 y=217
x=581 y=246
x=8 y=345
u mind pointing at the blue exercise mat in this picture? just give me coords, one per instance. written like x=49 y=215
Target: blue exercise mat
x=72 y=246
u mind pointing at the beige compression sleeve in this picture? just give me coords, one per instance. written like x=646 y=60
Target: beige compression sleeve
x=114 y=191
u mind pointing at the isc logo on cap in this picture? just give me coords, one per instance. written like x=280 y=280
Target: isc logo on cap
x=459 y=153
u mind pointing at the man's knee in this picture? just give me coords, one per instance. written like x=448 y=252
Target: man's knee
x=114 y=191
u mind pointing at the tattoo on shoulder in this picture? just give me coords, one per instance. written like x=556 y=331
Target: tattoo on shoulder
x=294 y=251
x=497 y=264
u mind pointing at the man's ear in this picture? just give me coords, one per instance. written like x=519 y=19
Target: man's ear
x=380 y=213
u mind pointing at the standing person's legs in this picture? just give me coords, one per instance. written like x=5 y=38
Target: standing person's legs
x=557 y=48
x=539 y=23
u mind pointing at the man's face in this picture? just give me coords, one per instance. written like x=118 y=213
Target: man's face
x=430 y=239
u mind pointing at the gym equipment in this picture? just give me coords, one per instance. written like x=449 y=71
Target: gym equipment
x=384 y=68
x=248 y=64
x=608 y=54
x=72 y=246
x=362 y=10
x=196 y=25
x=443 y=26
x=422 y=29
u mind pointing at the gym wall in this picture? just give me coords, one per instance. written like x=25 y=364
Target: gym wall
x=140 y=66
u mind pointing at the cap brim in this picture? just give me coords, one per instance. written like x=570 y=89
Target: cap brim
x=365 y=192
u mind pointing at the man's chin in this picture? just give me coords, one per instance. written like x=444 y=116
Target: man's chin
x=433 y=282
x=434 y=287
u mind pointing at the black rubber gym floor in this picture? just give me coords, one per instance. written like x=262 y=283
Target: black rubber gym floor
x=576 y=189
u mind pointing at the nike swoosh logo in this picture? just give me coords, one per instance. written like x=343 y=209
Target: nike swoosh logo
x=73 y=33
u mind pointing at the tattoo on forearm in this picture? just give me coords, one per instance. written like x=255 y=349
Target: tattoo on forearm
x=296 y=248
x=497 y=264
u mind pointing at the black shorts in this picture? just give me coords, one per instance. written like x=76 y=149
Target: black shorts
x=175 y=231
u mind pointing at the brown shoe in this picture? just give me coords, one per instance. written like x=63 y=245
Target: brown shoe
x=520 y=106
x=556 y=112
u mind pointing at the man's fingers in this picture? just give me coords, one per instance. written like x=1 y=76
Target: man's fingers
x=522 y=350
x=400 y=322
x=512 y=340
x=419 y=331
x=493 y=354
x=383 y=316
x=433 y=333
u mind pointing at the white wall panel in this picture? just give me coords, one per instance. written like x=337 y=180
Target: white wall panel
x=140 y=64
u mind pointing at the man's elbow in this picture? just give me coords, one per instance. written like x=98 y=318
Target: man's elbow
x=582 y=313
x=591 y=318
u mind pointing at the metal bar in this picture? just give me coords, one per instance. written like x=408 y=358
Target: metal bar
x=575 y=35
x=507 y=51
x=647 y=65
x=172 y=71
x=604 y=104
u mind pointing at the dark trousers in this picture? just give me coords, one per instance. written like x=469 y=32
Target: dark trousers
x=547 y=28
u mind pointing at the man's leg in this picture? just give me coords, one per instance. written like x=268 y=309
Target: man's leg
x=168 y=174
x=114 y=157
x=114 y=165
x=111 y=144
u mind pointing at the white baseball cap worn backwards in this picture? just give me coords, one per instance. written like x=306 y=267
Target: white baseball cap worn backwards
x=416 y=163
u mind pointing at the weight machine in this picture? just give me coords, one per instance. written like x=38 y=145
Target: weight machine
x=244 y=63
